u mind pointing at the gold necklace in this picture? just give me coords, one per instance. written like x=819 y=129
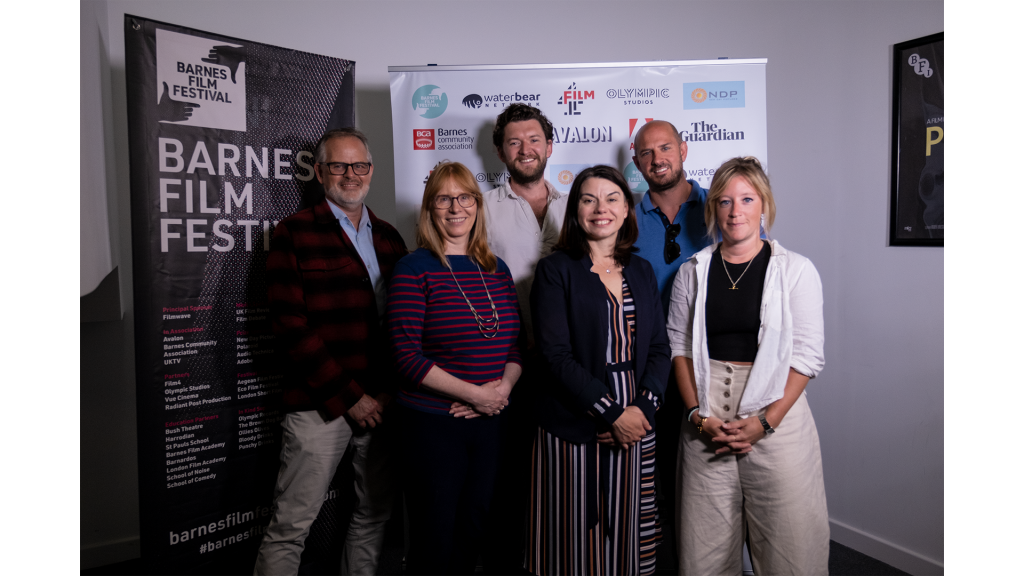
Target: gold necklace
x=480 y=323
x=741 y=275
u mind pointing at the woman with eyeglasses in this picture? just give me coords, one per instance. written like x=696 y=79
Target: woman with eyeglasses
x=453 y=319
x=745 y=322
x=600 y=329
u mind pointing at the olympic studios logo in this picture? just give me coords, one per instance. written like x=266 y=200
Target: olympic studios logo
x=633 y=96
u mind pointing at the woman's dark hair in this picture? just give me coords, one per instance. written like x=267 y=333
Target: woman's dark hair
x=573 y=240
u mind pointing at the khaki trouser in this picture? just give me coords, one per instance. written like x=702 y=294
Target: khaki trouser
x=310 y=453
x=775 y=493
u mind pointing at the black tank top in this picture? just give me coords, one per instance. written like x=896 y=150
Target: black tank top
x=734 y=316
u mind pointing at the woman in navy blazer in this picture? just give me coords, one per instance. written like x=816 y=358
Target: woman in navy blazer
x=600 y=329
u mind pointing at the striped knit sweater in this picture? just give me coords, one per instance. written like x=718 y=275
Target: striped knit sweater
x=430 y=325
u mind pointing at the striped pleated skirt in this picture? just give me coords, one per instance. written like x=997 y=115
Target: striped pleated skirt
x=592 y=506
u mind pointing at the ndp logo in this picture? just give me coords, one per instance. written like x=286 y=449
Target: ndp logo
x=423 y=139
x=703 y=95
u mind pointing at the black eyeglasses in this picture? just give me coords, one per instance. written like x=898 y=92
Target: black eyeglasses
x=672 y=249
x=445 y=202
x=339 y=168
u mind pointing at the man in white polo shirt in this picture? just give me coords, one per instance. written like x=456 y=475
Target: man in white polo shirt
x=524 y=215
x=524 y=219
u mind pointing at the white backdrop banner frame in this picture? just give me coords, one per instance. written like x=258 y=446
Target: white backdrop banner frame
x=444 y=113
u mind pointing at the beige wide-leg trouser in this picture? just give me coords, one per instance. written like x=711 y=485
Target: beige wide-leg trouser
x=775 y=492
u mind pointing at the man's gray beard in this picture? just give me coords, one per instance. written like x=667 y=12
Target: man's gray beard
x=523 y=180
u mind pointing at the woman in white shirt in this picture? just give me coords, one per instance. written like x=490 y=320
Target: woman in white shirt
x=747 y=334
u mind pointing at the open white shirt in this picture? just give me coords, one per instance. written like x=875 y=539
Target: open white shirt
x=792 y=333
x=516 y=237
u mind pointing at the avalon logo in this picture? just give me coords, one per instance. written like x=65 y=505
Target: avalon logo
x=429 y=101
x=423 y=139
x=472 y=101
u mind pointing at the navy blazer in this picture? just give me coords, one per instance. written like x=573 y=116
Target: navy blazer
x=570 y=321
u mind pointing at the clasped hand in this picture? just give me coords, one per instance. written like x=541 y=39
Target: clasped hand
x=489 y=399
x=738 y=437
x=627 y=430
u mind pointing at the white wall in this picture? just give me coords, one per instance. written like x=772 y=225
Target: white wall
x=879 y=402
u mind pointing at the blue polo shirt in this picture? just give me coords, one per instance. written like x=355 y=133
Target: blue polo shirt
x=651 y=242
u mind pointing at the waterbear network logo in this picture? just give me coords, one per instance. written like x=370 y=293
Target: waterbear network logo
x=429 y=101
x=704 y=95
x=499 y=100
x=562 y=175
x=200 y=82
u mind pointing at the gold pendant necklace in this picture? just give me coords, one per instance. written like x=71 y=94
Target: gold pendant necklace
x=741 y=275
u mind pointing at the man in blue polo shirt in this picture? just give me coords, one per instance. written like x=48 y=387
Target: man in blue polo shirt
x=671 y=215
x=671 y=222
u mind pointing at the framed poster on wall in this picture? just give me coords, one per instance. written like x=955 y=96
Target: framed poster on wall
x=916 y=205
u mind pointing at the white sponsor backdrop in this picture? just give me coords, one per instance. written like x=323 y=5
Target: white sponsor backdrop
x=447 y=113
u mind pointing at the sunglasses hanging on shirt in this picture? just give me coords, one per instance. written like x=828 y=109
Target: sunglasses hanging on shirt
x=672 y=249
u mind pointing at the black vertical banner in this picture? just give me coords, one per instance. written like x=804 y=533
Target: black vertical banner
x=222 y=133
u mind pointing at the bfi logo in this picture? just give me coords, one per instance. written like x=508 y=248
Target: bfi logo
x=423 y=139
x=572 y=98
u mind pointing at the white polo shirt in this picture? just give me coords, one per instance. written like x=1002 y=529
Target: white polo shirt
x=515 y=236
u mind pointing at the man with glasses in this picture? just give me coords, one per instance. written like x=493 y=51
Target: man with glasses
x=327 y=275
x=671 y=222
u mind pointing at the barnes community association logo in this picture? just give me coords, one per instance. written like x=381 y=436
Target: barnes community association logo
x=562 y=175
x=499 y=100
x=704 y=95
x=423 y=139
x=429 y=101
x=200 y=82
x=572 y=99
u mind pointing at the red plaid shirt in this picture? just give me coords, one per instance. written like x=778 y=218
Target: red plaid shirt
x=324 y=311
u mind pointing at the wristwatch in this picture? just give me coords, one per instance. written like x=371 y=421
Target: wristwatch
x=767 y=427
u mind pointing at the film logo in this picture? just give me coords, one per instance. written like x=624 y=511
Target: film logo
x=429 y=101
x=423 y=139
x=572 y=98
x=704 y=95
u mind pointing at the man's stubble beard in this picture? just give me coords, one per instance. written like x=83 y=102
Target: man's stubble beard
x=522 y=178
x=657 y=188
